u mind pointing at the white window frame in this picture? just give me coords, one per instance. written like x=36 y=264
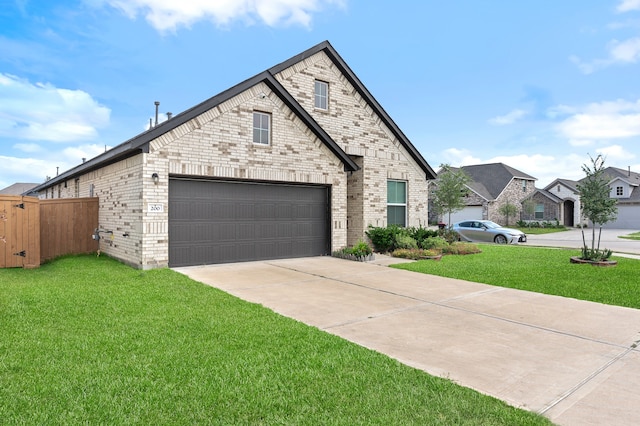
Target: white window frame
x=404 y=205
x=537 y=210
x=321 y=100
x=264 y=125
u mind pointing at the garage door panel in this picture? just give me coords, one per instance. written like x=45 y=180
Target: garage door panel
x=218 y=222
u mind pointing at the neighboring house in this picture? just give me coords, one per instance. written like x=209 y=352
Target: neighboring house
x=492 y=186
x=624 y=186
x=296 y=161
x=18 y=189
x=558 y=201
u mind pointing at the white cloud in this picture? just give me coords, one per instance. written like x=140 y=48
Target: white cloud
x=619 y=53
x=43 y=112
x=615 y=153
x=459 y=157
x=28 y=147
x=168 y=15
x=508 y=118
x=628 y=5
x=627 y=51
x=605 y=120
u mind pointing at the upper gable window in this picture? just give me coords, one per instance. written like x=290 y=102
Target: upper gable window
x=261 y=128
x=321 y=95
x=524 y=185
x=619 y=191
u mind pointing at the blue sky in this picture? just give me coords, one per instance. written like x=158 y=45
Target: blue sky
x=537 y=84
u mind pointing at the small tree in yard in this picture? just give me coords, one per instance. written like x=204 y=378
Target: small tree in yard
x=451 y=188
x=596 y=206
x=508 y=210
x=529 y=208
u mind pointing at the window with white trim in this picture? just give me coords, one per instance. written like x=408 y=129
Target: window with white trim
x=261 y=128
x=539 y=212
x=619 y=191
x=321 y=95
x=396 y=202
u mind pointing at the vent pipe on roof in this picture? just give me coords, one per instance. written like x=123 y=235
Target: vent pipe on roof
x=157 y=104
x=629 y=171
x=169 y=115
x=83 y=159
x=57 y=170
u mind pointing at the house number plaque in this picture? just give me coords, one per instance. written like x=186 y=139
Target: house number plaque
x=155 y=208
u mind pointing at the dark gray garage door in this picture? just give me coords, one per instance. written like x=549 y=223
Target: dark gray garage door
x=220 y=222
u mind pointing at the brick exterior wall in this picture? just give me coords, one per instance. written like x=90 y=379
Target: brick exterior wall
x=218 y=144
x=551 y=209
x=513 y=193
x=361 y=134
x=119 y=188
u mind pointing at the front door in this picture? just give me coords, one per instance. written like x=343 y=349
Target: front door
x=568 y=213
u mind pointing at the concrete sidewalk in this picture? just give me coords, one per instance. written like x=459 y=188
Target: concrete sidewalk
x=575 y=362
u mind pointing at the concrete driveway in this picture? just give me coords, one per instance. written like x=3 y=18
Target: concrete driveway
x=575 y=362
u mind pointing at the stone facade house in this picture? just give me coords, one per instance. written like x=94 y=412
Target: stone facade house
x=491 y=187
x=296 y=161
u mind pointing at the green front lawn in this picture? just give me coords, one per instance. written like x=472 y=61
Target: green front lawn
x=632 y=236
x=539 y=231
x=86 y=340
x=542 y=270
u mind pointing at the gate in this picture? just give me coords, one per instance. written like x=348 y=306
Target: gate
x=19 y=232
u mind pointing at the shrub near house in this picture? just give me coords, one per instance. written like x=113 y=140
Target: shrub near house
x=416 y=243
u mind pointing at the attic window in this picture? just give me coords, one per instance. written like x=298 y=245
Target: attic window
x=619 y=191
x=524 y=185
x=261 y=128
x=558 y=188
x=321 y=95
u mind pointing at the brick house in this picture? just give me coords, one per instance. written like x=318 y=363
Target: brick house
x=491 y=187
x=558 y=201
x=296 y=161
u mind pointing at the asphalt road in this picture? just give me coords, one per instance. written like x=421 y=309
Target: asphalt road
x=573 y=239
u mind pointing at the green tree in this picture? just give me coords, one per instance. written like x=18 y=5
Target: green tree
x=596 y=205
x=449 y=191
x=529 y=208
x=508 y=210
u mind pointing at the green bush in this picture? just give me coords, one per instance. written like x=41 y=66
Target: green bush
x=420 y=234
x=405 y=242
x=434 y=243
x=384 y=239
x=595 y=254
x=361 y=249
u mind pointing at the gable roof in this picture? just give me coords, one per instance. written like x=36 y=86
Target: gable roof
x=547 y=194
x=19 y=188
x=493 y=178
x=571 y=184
x=328 y=50
x=140 y=143
x=632 y=178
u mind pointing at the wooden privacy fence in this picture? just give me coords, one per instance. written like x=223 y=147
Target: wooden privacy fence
x=33 y=231
x=19 y=232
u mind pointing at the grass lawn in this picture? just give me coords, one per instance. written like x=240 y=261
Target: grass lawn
x=542 y=270
x=539 y=231
x=632 y=236
x=86 y=340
